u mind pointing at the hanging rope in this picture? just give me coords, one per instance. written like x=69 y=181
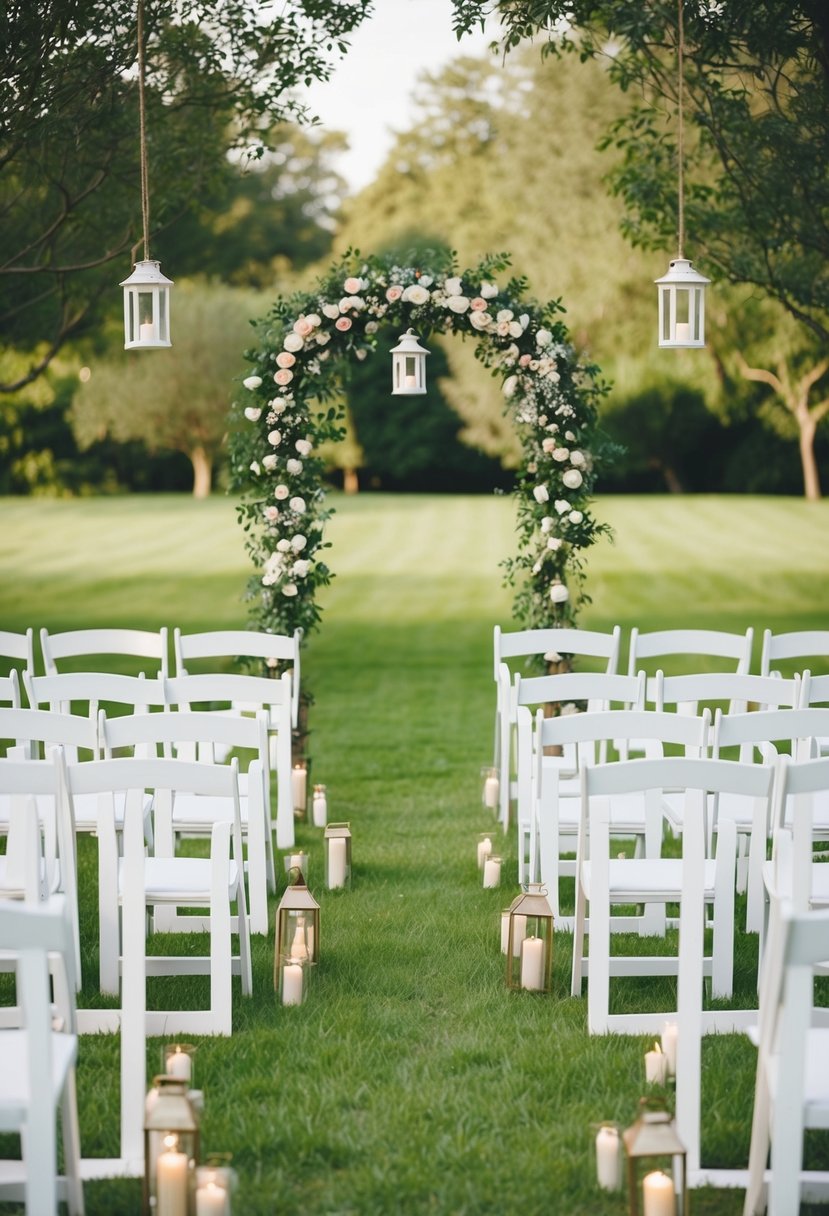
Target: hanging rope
x=142 y=120
x=680 y=44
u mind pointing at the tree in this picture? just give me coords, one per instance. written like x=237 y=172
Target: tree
x=218 y=76
x=177 y=400
x=756 y=83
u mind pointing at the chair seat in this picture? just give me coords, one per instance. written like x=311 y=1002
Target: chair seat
x=180 y=880
x=13 y=891
x=14 y=1072
x=816 y=1079
x=778 y=880
x=45 y=806
x=627 y=814
x=198 y=812
x=645 y=879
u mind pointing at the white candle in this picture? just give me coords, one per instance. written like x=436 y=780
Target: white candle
x=171 y=1182
x=532 y=964
x=145 y=333
x=299 y=778
x=491 y=791
x=411 y=382
x=492 y=872
x=683 y=331
x=212 y=1200
x=608 y=1159
x=484 y=851
x=336 y=862
x=320 y=809
x=504 y=931
x=179 y=1065
x=658 y=1195
x=298 y=861
x=292 y=984
x=656 y=1066
x=519 y=932
x=669 y=1036
x=299 y=946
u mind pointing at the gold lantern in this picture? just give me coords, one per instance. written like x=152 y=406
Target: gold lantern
x=530 y=942
x=171 y=1148
x=337 y=844
x=297 y=925
x=408 y=366
x=656 y=1163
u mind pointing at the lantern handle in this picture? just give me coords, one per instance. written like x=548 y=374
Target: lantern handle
x=142 y=128
x=680 y=48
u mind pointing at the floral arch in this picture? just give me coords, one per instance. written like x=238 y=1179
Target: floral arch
x=285 y=412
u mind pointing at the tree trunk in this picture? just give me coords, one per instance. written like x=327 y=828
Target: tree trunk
x=202 y=470
x=671 y=480
x=351 y=482
x=811 y=479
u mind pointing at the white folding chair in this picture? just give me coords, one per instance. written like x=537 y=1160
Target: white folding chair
x=758 y=737
x=19 y=647
x=37 y=1065
x=193 y=816
x=814 y=694
x=794 y=873
x=598 y=691
x=690 y=881
x=684 y=643
x=98 y=643
x=208 y=884
x=557 y=801
x=687 y=693
x=792 y=1084
x=793 y=647
x=275 y=649
x=221 y=690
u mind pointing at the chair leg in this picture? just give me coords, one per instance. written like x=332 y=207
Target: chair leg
x=722 y=963
x=108 y=912
x=221 y=968
x=578 y=937
x=72 y=1147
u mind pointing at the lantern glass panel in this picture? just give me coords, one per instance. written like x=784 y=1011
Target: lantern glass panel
x=171 y=1148
x=162 y=315
x=337 y=844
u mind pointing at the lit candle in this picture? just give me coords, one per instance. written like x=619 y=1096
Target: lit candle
x=669 y=1036
x=292 y=984
x=320 y=807
x=299 y=947
x=212 y=1200
x=336 y=862
x=656 y=1066
x=491 y=791
x=532 y=964
x=171 y=1180
x=299 y=778
x=608 y=1159
x=179 y=1065
x=484 y=851
x=411 y=382
x=683 y=331
x=519 y=932
x=492 y=872
x=658 y=1195
x=298 y=861
x=145 y=333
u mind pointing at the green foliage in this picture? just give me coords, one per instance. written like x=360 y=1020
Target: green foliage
x=275 y=446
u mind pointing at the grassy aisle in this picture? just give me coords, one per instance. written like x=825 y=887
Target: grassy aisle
x=412 y=1082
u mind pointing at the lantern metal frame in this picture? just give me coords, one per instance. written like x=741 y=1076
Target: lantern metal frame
x=652 y=1138
x=536 y=925
x=169 y=1115
x=682 y=305
x=147 y=307
x=408 y=366
x=337 y=831
x=297 y=925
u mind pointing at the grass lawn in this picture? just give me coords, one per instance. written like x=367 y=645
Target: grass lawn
x=412 y=1081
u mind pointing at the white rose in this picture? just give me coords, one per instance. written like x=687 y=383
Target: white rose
x=303 y=446
x=293 y=343
x=452 y=287
x=253 y=413
x=572 y=479
x=576 y=458
x=540 y=494
x=515 y=330
x=548 y=444
x=254 y=468
x=252 y=382
x=561 y=454
x=510 y=385
x=536 y=567
x=294 y=467
x=570 y=436
x=297 y=505
x=559 y=593
x=281 y=491
x=332 y=311
x=554 y=543
x=562 y=506
x=524 y=319
x=415 y=294
x=271 y=514
x=575 y=517
x=426 y=280
x=504 y=314
x=543 y=337
x=301 y=568
x=283 y=545
x=371 y=327
x=269 y=462
x=457 y=303
x=298 y=542
x=274 y=438
x=479 y=320
x=289 y=589
x=313 y=319
x=489 y=290
x=322 y=338
x=547 y=524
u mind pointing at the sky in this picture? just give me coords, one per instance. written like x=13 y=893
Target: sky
x=369 y=95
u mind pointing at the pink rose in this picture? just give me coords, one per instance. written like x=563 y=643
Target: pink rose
x=393 y=293
x=524 y=360
x=303 y=327
x=285 y=359
x=271 y=514
x=283 y=376
x=352 y=286
x=478 y=304
x=343 y=323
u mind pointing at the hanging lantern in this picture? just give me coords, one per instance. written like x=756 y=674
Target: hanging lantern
x=297 y=926
x=682 y=305
x=530 y=942
x=408 y=366
x=146 y=307
x=171 y=1148
x=337 y=845
x=657 y=1156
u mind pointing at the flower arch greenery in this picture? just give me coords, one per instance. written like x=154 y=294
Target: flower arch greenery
x=290 y=404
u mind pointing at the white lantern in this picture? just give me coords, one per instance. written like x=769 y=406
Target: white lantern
x=146 y=307
x=682 y=305
x=408 y=366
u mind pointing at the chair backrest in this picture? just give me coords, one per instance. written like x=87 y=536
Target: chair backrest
x=677 y=773
x=709 y=643
x=524 y=643
x=135 y=643
x=18 y=646
x=814 y=690
x=94 y=690
x=10 y=690
x=143 y=733
x=685 y=692
x=37 y=729
x=800 y=644
x=242 y=643
x=598 y=689
x=767 y=728
x=794 y=799
x=41 y=930
x=655 y=729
